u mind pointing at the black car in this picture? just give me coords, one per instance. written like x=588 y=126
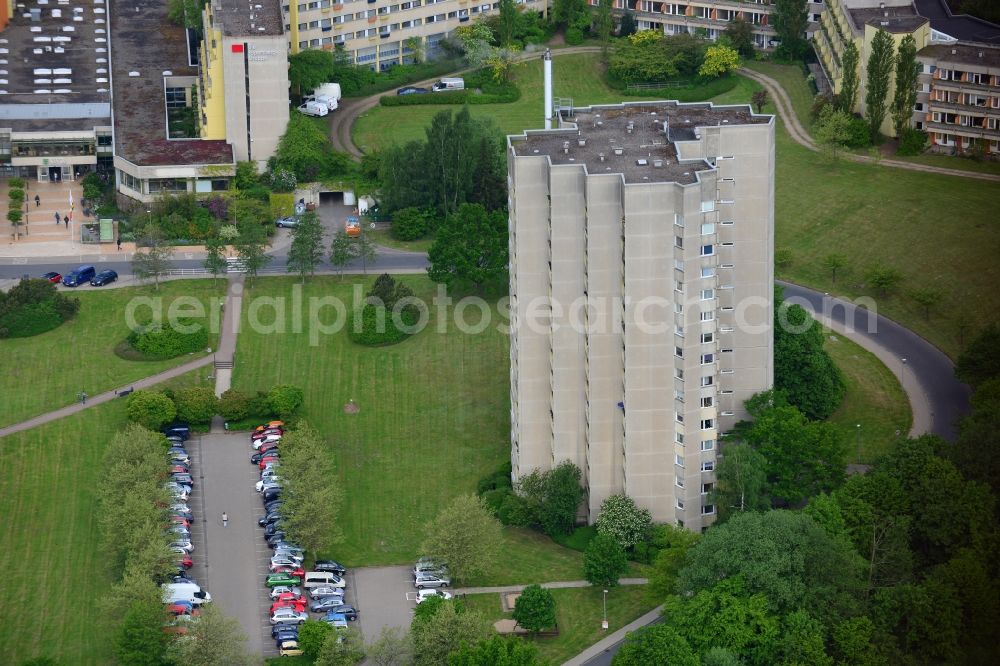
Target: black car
x=331 y=566
x=269 y=518
x=349 y=612
x=103 y=278
x=181 y=578
x=271 y=495
x=291 y=630
x=412 y=90
x=272 y=528
x=271 y=506
x=257 y=455
x=177 y=428
x=275 y=538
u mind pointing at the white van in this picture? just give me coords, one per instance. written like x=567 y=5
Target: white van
x=329 y=102
x=173 y=592
x=314 y=109
x=449 y=84
x=322 y=579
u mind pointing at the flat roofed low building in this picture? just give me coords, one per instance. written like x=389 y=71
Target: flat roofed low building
x=641 y=277
x=55 y=99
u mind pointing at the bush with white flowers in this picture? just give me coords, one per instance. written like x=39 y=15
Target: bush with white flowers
x=621 y=519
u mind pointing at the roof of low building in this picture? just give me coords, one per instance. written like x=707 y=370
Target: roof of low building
x=891 y=19
x=984 y=55
x=959 y=26
x=248 y=18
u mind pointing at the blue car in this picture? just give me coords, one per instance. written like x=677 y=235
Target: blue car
x=335 y=619
x=284 y=632
x=79 y=276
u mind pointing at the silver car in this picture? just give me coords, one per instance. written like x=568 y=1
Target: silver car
x=287 y=222
x=425 y=580
x=281 y=589
x=326 y=591
x=289 y=616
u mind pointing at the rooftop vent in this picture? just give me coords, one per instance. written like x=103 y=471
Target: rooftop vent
x=167 y=72
x=133 y=74
x=641 y=162
x=630 y=127
x=619 y=151
x=657 y=163
x=886 y=13
x=883 y=23
x=600 y=156
x=954 y=51
x=980 y=54
x=566 y=147
x=581 y=142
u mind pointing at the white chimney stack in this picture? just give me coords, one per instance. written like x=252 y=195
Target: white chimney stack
x=547 y=68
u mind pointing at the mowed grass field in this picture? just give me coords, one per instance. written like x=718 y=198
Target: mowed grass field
x=434 y=413
x=579 y=612
x=49 y=539
x=47 y=371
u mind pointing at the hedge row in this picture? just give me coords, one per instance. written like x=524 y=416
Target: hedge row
x=156 y=342
x=480 y=88
x=698 y=92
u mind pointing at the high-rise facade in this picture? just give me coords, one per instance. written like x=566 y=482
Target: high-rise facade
x=641 y=277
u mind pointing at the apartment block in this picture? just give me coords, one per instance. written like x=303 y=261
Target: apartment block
x=707 y=17
x=641 y=273
x=378 y=32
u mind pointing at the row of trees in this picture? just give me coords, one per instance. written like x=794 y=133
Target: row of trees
x=198 y=405
x=308 y=248
x=311 y=500
x=649 y=56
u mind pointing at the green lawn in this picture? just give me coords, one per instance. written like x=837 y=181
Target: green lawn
x=434 y=416
x=385 y=239
x=46 y=371
x=50 y=521
x=874 y=399
x=579 y=612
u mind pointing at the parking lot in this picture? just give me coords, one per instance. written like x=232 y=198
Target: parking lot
x=382 y=598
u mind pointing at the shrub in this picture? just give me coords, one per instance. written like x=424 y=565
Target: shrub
x=535 y=608
x=552 y=497
x=820 y=104
x=912 y=142
x=285 y=399
x=621 y=519
x=409 y=224
x=197 y=404
x=376 y=330
x=93 y=188
x=234 y=405
x=32 y=307
x=692 y=91
x=574 y=36
x=156 y=341
x=28 y=320
x=496 y=481
x=151 y=409
x=16 y=182
x=858 y=134
x=494 y=499
x=514 y=511
x=16 y=196
x=259 y=405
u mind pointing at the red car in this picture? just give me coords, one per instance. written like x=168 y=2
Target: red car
x=182 y=609
x=180 y=520
x=185 y=562
x=53 y=277
x=270 y=446
x=298 y=572
x=299 y=605
x=261 y=434
x=267 y=459
x=290 y=596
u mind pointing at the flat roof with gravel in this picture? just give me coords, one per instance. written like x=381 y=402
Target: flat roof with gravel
x=635 y=139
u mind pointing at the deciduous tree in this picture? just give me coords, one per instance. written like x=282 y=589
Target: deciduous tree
x=391 y=647
x=879 y=75
x=833 y=262
x=151 y=409
x=215 y=263
x=196 y=404
x=366 y=250
x=604 y=561
x=496 y=651
x=535 y=609
x=437 y=636
x=980 y=361
x=306 y=252
x=552 y=497
x=342 y=647
x=212 y=640
x=466 y=536
x=719 y=60
x=310 y=68
x=883 y=278
x=759 y=100
x=790 y=19
x=342 y=251
x=802 y=369
x=741 y=476
x=604 y=24
x=470 y=247
x=312 y=635
x=833 y=131
x=251 y=249
x=312 y=499
x=623 y=520
x=905 y=97
x=655 y=644
x=153 y=262
x=740 y=34
x=848 y=96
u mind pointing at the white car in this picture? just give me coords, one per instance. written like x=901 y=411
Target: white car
x=257 y=443
x=424 y=595
x=264 y=486
x=289 y=616
x=326 y=591
x=184 y=545
x=281 y=589
x=289 y=554
x=281 y=561
x=423 y=580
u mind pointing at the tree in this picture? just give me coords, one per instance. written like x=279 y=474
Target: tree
x=553 y=497
x=741 y=477
x=14 y=216
x=790 y=19
x=495 y=651
x=879 y=74
x=848 y=96
x=803 y=370
x=342 y=251
x=802 y=640
x=564 y=13
x=251 y=249
x=215 y=263
x=306 y=251
x=655 y=644
x=782 y=555
x=905 y=96
x=627 y=25
x=342 y=647
x=212 y=640
x=365 y=250
x=151 y=409
x=927 y=298
x=409 y=224
x=740 y=34
x=535 y=609
x=154 y=262
x=139 y=639
x=833 y=131
x=234 y=405
x=883 y=278
x=623 y=520
x=642 y=60
x=475 y=39
x=466 y=536
x=186 y=13
x=674 y=543
x=437 y=636
x=719 y=60
x=312 y=635
x=390 y=648
x=980 y=361
x=304 y=150
x=604 y=561
x=833 y=262
x=470 y=246
x=508 y=21
x=759 y=100
x=604 y=24
x=285 y=400
x=312 y=502
x=310 y=68
x=196 y=404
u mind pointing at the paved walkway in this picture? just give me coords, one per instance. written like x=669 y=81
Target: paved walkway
x=226 y=354
x=801 y=136
x=598 y=653
x=558 y=585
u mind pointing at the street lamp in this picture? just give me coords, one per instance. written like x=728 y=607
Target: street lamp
x=857 y=428
x=604 y=622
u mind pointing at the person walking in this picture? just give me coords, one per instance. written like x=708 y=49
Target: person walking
x=119 y=243
x=38 y=201
x=66 y=220
x=225 y=519
x=58 y=217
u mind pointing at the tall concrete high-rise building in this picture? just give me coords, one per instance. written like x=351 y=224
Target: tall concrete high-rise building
x=641 y=277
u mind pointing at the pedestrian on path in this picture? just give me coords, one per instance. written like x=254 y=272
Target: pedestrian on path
x=83 y=396
x=38 y=200
x=65 y=221
x=58 y=217
x=119 y=243
x=225 y=519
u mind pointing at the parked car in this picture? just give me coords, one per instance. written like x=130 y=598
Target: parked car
x=287 y=222
x=269 y=518
x=53 y=277
x=282 y=561
x=79 y=276
x=274 y=580
x=292 y=550
x=424 y=595
x=184 y=544
x=185 y=562
x=270 y=424
x=325 y=591
x=429 y=565
x=266 y=488
x=183 y=478
x=335 y=620
x=103 y=278
x=289 y=648
x=421 y=581
x=331 y=566
x=412 y=90
x=271 y=456
x=288 y=603
x=276 y=592
x=288 y=630
x=260 y=434
x=288 y=616
x=177 y=429
x=259 y=442
x=298 y=572
x=334 y=605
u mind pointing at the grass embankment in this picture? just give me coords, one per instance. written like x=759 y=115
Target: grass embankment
x=579 y=612
x=50 y=522
x=47 y=371
x=384 y=238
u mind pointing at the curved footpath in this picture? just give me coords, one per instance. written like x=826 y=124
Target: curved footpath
x=801 y=136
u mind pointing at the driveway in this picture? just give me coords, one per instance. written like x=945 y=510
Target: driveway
x=381 y=594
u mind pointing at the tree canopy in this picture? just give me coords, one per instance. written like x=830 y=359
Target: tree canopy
x=470 y=247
